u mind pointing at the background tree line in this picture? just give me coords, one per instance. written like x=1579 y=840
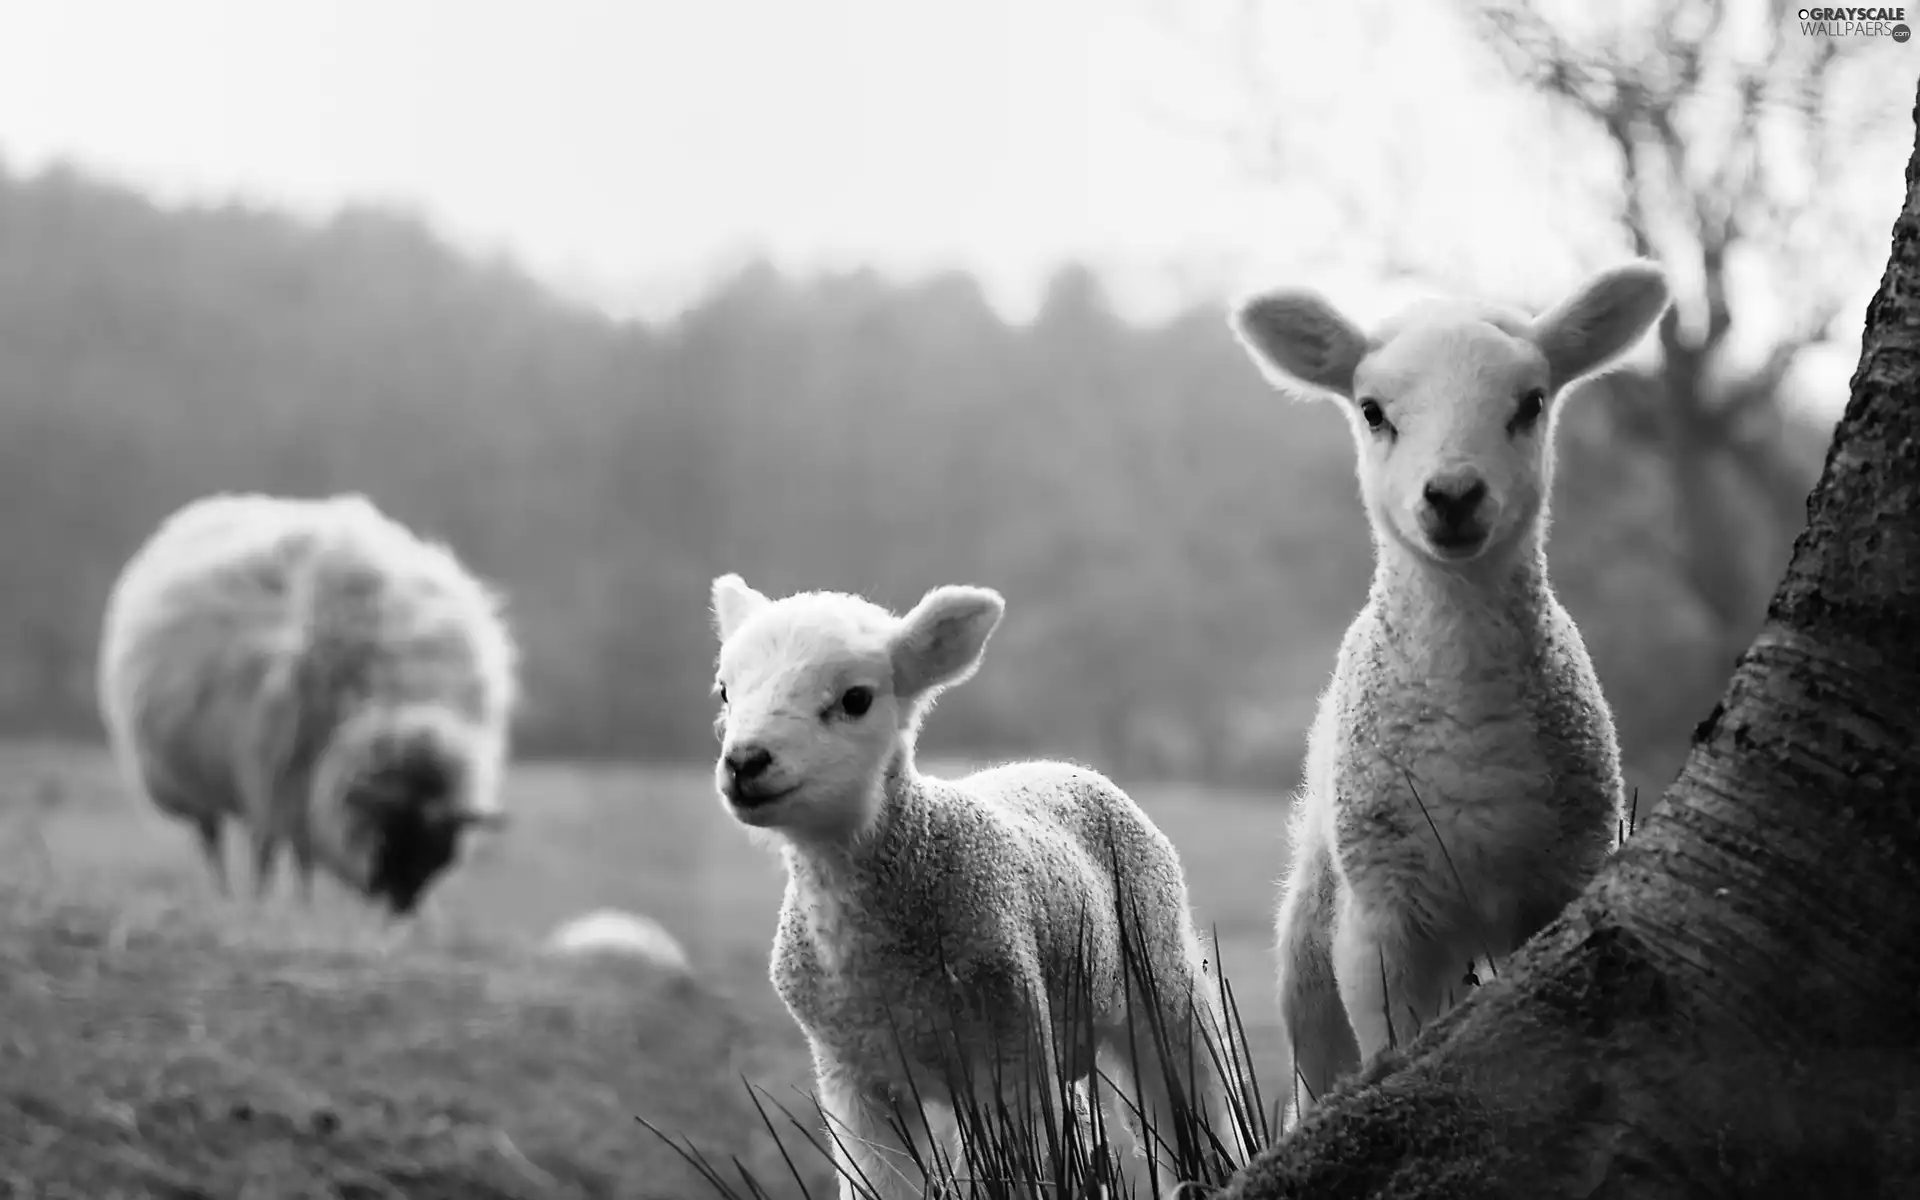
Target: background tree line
x=1179 y=547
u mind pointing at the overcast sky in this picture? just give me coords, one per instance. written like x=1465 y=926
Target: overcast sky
x=628 y=149
x=633 y=144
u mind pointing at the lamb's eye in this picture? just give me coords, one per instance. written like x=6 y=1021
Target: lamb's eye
x=1531 y=406
x=1373 y=414
x=855 y=701
x=723 y=693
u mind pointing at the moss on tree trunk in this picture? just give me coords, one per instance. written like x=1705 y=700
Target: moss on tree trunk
x=1733 y=1007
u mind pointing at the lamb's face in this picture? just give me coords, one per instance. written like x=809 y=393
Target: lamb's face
x=808 y=716
x=821 y=691
x=1452 y=402
x=1452 y=416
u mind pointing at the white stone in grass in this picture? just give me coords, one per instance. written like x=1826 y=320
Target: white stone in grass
x=614 y=932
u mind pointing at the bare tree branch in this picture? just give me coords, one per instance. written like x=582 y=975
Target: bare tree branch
x=1750 y=189
x=1619 y=127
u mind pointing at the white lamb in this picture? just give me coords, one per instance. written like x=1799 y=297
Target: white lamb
x=923 y=914
x=1463 y=711
x=314 y=670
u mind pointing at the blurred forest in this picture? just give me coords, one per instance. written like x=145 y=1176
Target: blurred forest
x=1180 y=548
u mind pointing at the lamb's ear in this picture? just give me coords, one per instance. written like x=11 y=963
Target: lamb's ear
x=1296 y=337
x=1602 y=320
x=939 y=643
x=733 y=603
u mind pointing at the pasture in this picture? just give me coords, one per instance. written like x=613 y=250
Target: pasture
x=156 y=1041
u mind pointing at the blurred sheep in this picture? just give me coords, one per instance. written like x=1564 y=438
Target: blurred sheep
x=313 y=669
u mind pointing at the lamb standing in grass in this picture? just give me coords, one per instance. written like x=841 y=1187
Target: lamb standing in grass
x=907 y=892
x=313 y=669
x=1462 y=688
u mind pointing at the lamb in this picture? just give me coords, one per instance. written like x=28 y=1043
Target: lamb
x=312 y=669
x=906 y=892
x=1462 y=781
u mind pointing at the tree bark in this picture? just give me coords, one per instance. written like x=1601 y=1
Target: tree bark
x=1732 y=1008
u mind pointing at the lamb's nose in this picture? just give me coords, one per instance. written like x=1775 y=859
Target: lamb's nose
x=1454 y=500
x=747 y=763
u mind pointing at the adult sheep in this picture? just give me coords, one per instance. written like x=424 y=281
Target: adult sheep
x=925 y=917
x=1462 y=781
x=313 y=669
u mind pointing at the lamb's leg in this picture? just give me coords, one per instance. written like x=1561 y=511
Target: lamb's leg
x=1319 y=1039
x=1394 y=978
x=1165 y=1062
x=864 y=1131
x=1017 y=1082
x=1534 y=912
x=1144 y=1079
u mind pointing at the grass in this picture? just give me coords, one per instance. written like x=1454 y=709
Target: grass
x=1050 y=1137
x=156 y=1042
x=1056 y=1144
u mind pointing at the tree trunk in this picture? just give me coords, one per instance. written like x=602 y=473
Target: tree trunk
x=1732 y=1008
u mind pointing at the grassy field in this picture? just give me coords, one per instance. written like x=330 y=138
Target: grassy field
x=155 y=1041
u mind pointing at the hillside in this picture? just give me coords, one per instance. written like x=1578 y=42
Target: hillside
x=148 y=1055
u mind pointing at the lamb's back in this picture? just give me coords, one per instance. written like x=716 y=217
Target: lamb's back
x=978 y=906
x=1072 y=819
x=1103 y=856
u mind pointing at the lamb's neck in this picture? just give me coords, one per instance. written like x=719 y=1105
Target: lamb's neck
x=891 y=842
x=1428 y=610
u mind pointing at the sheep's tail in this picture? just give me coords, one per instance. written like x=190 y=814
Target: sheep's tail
x=1320 y=1045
